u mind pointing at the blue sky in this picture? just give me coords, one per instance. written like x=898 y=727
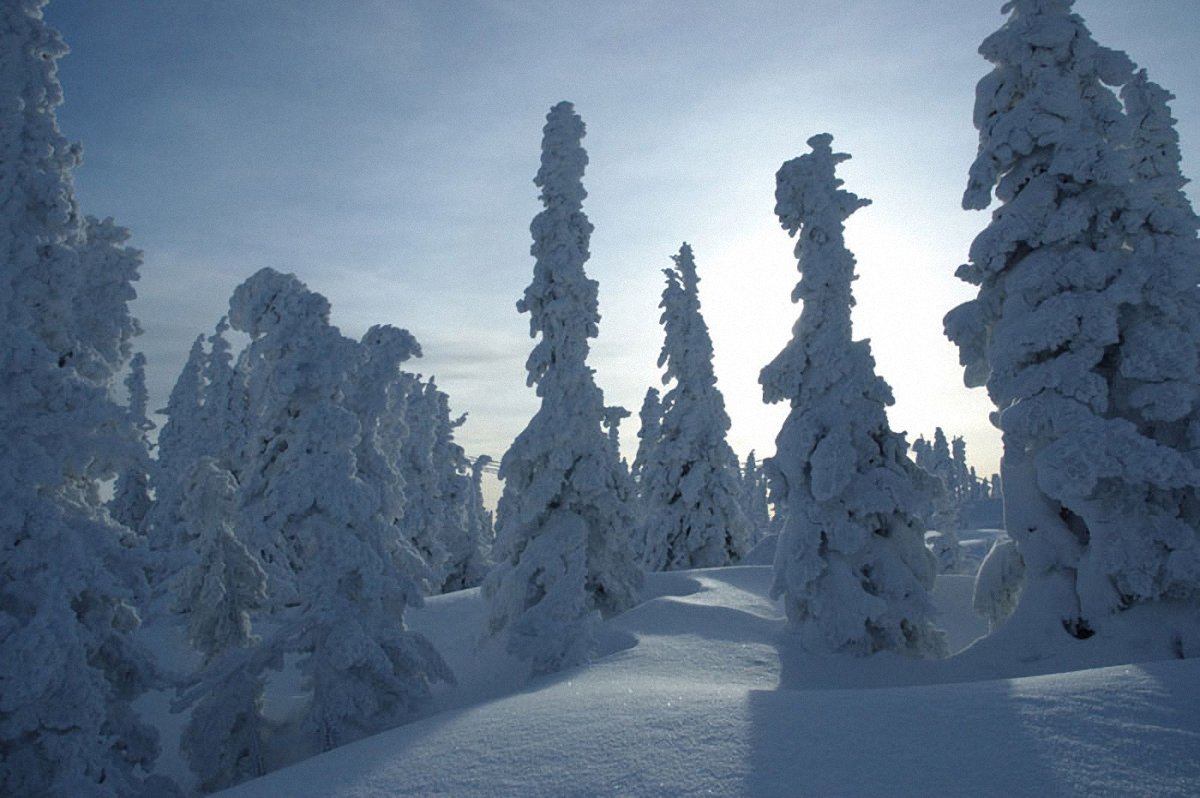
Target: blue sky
x=384 y=152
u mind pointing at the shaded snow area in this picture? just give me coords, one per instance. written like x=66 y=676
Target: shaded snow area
x=700 y=691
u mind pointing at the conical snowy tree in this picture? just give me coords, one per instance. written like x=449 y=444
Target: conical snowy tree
x=226 y=731
x=649 y=431
x=69 y=667
x=939 y=463
x=754 y=499
x=227 y=583
x=131 y=493
x=562 y=545
x=179 y=440
x=479 y=518
x=851 y=566
x=1086 y=328
x=690 y=489
x=225 y=414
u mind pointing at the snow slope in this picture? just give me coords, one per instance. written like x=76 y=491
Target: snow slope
x=701 y=692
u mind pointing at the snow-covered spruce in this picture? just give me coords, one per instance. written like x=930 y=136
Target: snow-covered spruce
x=227 y=583
x=207 y=416
x=131 y=492
x=649 y=431
x=462 y=536
x=1086 y=327
x=69 y=667
x=225 y=414
x=389 y=457
x=851 y=565
x=479 y=517
x=441 y=521
x=562 y=547
x=226 y=732
x=423 y=511
x=754 y=499
x=179 y=440
x=340 y=572
x=690 y=487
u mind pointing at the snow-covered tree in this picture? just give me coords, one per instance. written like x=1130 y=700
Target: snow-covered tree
x=943 y=465
x=226 y=731
x=340 y=576
x=224 y=414
x=611 y=421
x=649 y=431
x=1086 y=327
x=227 y=583
x=69 y=668
x=178 y=439
x=380 y=398
x=851 y=566
x=690 y=487
x=301 y=435
x=562 y=548
x=962 y=482
x=131 y=493
x=754 y=499
x=226 y=736
x=465 y=564
x=478 y=516
x=923 y=453
x=424 y=511
x=945 y=515
x=106 y=272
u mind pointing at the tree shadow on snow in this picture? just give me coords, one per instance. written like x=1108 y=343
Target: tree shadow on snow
x=958 y=739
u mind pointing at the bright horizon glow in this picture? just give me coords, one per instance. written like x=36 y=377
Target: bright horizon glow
x=384 y=153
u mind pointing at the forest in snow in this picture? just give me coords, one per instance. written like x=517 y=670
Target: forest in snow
x=300 y=558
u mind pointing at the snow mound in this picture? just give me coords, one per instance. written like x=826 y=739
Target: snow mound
x=702 y=692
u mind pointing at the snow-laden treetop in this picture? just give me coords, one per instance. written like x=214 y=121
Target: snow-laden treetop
x=270 y=300
x=811 y=203
x=561 y=300
x=1044 y=54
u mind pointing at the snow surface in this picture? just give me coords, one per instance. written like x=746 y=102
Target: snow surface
x=700 y=690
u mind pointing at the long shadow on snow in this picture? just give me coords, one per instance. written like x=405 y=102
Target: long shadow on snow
x=958 y=739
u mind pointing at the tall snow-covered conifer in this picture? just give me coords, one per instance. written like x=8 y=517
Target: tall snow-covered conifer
x=690 y=488
x=69 y=668
x=562 y=545
x=178 y=442
x=649 y=431
x=224 y=415
x=851 y=566
x=423 y=509
x=380 y=399
x=1086 y=327
x=464 y=565
x=755 y=499
x=131 y=493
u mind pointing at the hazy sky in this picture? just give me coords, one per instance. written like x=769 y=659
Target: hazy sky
x=384 y=152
